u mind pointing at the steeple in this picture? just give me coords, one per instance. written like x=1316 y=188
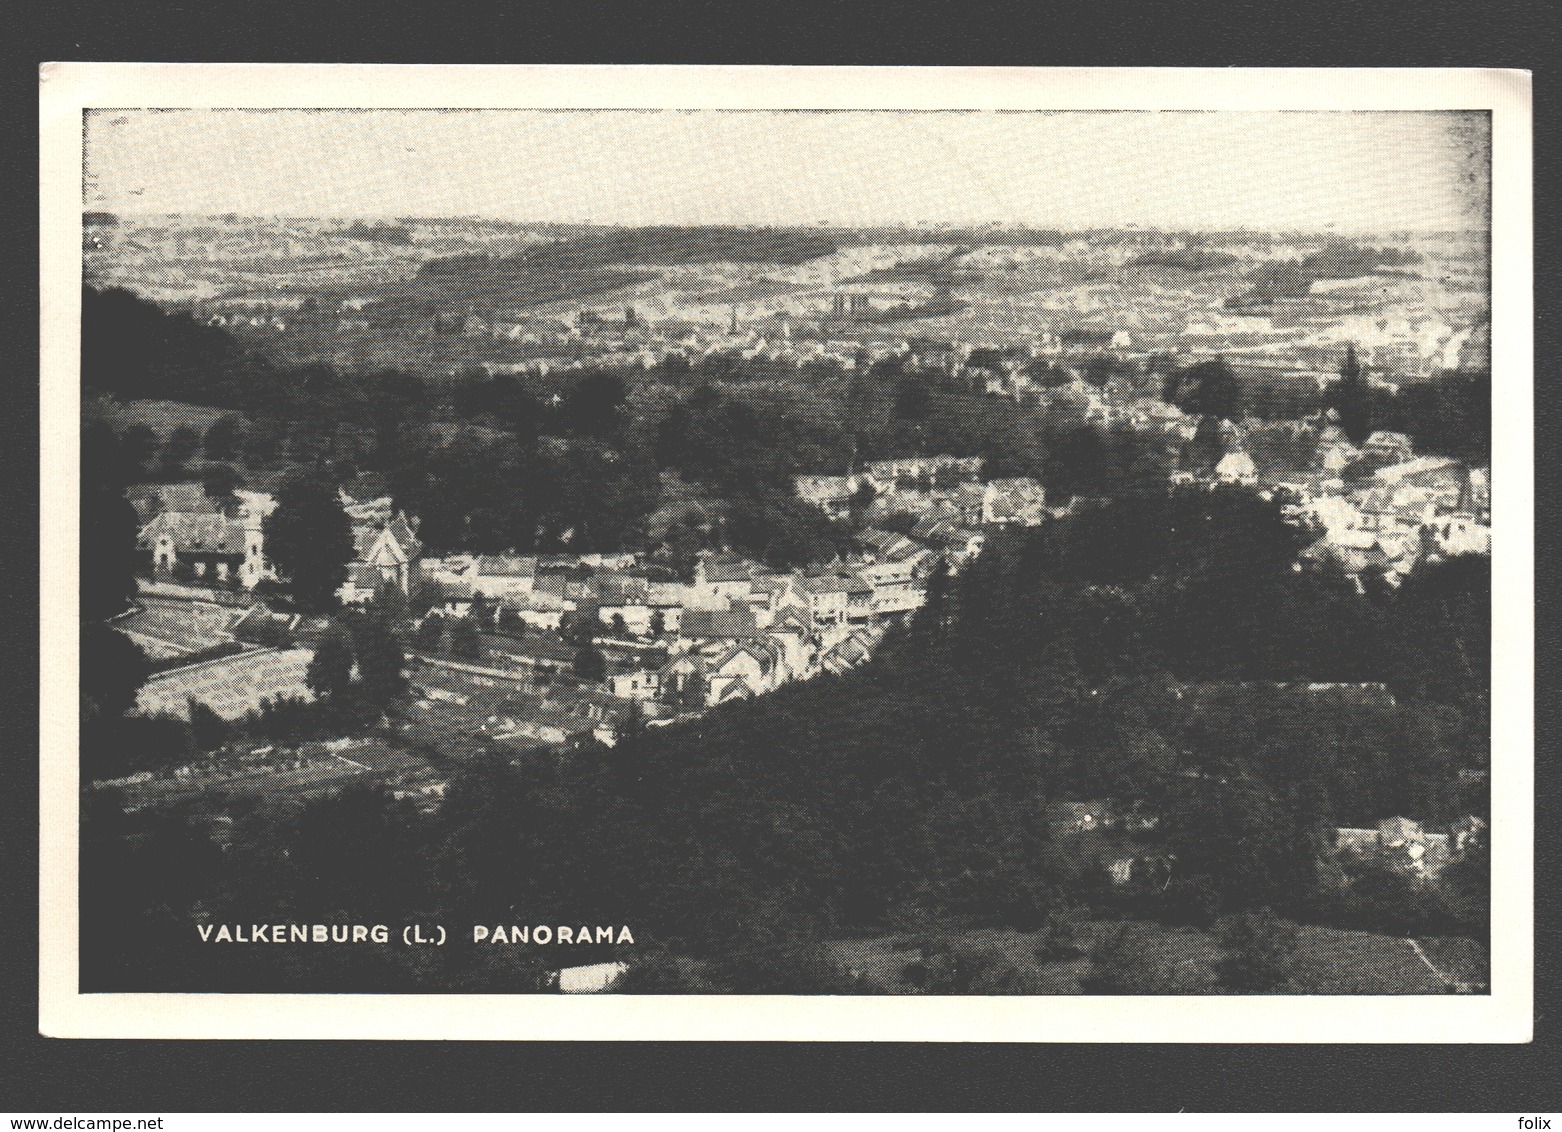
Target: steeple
x=1350 y=369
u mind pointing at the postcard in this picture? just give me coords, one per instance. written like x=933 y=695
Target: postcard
x=760 y=553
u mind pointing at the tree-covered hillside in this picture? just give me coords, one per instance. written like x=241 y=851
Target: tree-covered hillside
x=1149 y=652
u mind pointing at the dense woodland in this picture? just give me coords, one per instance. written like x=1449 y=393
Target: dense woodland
x=1131 y=651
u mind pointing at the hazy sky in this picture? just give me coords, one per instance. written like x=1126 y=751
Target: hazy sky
x=1356 y=171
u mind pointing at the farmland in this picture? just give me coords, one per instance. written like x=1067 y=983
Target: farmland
x=163 y=417
x=231 y=686
x=278 y=772
x=167 y=628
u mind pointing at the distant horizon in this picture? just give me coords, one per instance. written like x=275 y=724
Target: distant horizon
x=821 y=225
x=1266 y=171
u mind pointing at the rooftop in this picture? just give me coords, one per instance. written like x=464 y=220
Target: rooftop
x=718 y=623
x=506 y=566
x=195 y=533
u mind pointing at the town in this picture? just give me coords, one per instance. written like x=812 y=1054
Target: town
x=686 y=522
x=520 y=637
x=540 y=626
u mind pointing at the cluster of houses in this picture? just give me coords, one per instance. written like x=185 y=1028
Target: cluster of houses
x=591 y=341
x=1120 y=838
x=1378 y=507
x=513 y=709
x=943 y=497
x=738 y=629
x=1405 y=846
x=189 y=536
x=752 y=330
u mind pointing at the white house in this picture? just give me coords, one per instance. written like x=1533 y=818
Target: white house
x=1236 y=467
x=504 y=575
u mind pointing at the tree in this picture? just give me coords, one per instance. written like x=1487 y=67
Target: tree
x=783 y=967
x=1351 y=399
x=481 y=611
x=620 y=628
x=112 y=668
x=862 y=499
x=781 y=530
x=309 y=537
x=263 y=443
x=331 y=668
x=593 y=407
x=939 y=586
x=1079 y=463
x=1059 y=938
x=1102 y=368
x=1209 y=388
x=180 y=447
x=1260 y=953
x=391 y=603
x=138 y=448
x=1251 y=846
x=689 y=693
x=986 y=357
x=590 y=664
x=1128 y=961
x=1047 y=375
x=109 y=557
x=223 y=438
x=1208 y=446
x=577 y=627
x=658 y=624
x=1466 y=885
x=658 y=973
x=431 y=630
x=382 y=678
x=220 y=481
x=208 y=729
x=1443 y=617
x=264 y=629
x=424 y=595
x=913 y=396
x=465 y=639
x=945 y=968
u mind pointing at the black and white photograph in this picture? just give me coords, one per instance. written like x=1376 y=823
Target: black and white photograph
x=770 y=552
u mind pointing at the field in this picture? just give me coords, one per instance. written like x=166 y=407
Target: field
x=280 y=772
x=450 y=710
x=1328 y=960
x=231 y=686
x=1462 y=960
x=162 y=417
x=174 y=628
x=455 y=711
